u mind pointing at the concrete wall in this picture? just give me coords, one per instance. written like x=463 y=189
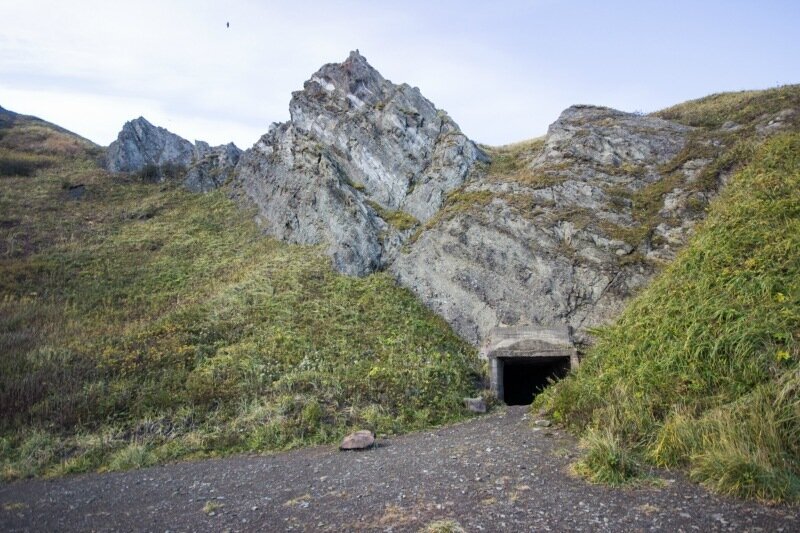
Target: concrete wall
x=526 y=342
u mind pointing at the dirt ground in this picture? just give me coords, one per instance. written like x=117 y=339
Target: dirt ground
x=492 y=473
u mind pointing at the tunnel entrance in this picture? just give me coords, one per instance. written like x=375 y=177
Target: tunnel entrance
x=525 y=377
x=522 y=360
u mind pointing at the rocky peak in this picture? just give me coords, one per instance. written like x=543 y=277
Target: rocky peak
x=611 y=138
x=353 y=81
x=360 y=162
x=141 y=144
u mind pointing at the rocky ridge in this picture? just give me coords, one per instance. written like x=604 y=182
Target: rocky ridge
x=554 y=241
x=361 y=162
x=564 y=229
x=560 y=230
x=141 y=144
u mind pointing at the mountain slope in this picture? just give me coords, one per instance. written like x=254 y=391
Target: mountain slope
x=29 y=143
x=702 y=369
x=565 y=229
x=141 y=323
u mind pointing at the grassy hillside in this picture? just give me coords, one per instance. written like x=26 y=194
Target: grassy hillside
x=701 y=371
x=141 y=323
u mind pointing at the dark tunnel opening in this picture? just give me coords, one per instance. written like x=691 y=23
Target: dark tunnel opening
x=525 y=377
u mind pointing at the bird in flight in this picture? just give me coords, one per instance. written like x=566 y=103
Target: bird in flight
x=227 y=24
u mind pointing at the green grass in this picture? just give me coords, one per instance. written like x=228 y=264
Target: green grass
x=143 y=323
x=727 y=151
x=701 y=370
x=396 y=218
x=607 y=460
x=511 y=163
x=744 y=107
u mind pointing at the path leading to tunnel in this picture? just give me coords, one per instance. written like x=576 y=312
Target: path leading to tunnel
x=492 y=473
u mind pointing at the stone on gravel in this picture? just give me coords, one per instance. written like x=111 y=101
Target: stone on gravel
x=475 y=405
x=140 y=143
x=401 y=487
x=552 y=243
x=543 y=423
x=360 y=440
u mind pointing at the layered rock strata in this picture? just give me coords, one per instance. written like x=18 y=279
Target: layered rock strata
x=140 y=144
x=361 y=162
x=559 y=240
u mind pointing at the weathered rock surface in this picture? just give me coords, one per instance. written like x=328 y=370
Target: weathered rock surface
x=140 y=144
x=475 y=405
x=360 y=440
x=211 y=166
x=359 y=154
x=559 y=241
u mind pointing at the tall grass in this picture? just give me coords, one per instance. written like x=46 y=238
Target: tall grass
x=701 y=370
x=15 y=163
x=143 y=323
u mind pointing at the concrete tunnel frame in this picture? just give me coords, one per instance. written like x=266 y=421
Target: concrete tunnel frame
x=523 y=358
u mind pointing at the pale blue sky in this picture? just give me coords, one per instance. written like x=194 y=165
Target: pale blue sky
x=502 y=70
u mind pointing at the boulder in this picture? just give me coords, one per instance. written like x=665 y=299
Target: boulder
x=475 y=405
x=360 y=440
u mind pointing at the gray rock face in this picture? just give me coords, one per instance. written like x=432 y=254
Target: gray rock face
x=357 y=152
x=140 y=144
x=211 y=166
x=360 y=440
x=597 y=136
x=560 y=242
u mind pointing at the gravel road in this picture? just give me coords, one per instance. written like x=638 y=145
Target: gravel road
x=492 y=473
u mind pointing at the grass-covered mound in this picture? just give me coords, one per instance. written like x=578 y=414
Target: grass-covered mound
x=701 y=370
x=141 y=323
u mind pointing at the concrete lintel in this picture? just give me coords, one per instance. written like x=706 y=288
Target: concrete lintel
x=526 y=342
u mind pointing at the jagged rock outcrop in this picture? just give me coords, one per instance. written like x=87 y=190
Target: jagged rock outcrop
x=359 y=161
x=561 y=240
x=141 y=144
x=211 y=166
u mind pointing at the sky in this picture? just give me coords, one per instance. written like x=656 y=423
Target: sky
x=503 y=70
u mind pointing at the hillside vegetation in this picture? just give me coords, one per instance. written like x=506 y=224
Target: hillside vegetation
x=701 y=370
x=141 y=323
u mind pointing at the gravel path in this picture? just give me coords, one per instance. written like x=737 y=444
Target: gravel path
x=493 y=473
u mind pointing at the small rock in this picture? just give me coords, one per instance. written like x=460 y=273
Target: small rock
x=360 y=440
x=543 y=423
x=475 y=405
